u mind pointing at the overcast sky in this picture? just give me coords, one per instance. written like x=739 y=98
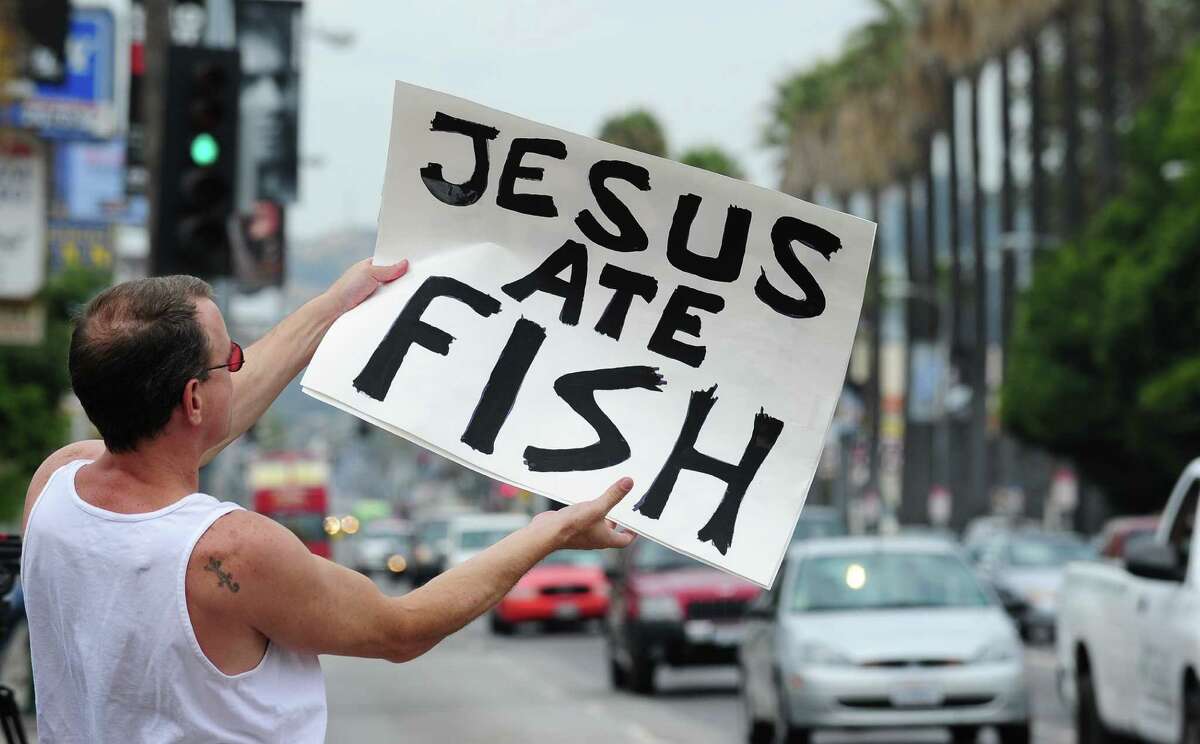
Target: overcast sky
x=707 y=69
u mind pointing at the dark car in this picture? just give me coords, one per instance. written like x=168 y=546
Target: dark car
x=1026 y=568
x=669 y=609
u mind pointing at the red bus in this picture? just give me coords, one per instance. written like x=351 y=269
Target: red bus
x=291 y=488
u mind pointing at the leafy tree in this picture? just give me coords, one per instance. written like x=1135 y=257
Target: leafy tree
x=33 y=381
x=712 y=158
x=1105 y=359
x=638 y=130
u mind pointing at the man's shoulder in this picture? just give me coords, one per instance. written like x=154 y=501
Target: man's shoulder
x=249 y=540
x=87 y=449
x=238 y=546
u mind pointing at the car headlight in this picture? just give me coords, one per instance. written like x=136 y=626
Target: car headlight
x=1001 y=649
x=660 y=608
x=812 y=653
x=1043 y=600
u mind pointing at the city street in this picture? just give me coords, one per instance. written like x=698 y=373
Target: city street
x=553 y=687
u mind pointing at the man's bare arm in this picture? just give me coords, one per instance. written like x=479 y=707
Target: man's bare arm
x=311 y=604
x=276 y=358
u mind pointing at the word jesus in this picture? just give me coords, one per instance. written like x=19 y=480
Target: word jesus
x=578 y=390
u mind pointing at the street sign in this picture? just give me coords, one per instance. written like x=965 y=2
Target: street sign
x=22 y=323
x=22 y=216
x=92 y=98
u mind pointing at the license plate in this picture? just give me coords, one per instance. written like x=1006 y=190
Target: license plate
x=566 y=612
x=728 y=635
x=916 y=696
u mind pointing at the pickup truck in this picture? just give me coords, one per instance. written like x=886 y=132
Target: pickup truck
x=1128 y=636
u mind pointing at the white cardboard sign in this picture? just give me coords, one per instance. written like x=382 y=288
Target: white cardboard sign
x=576 y=311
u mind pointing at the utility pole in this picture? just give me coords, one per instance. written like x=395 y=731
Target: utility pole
x=154 y=82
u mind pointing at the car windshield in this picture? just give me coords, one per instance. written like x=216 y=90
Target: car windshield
x=884 y=580
x=651 y=556
x=480 y=539
x=818 y=525
x=573 y=558
x=431 y=531
x=1046 y=552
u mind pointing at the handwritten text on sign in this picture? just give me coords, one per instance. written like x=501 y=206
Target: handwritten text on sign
x=614 y=314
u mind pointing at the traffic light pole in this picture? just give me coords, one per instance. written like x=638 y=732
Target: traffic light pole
x=158 y=40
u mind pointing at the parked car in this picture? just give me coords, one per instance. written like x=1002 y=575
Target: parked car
x=567 y=586
x=1119 y=532
x=669 y=609
x=1129 y=635
x=1026 y=568
x=383 y=547
x=469 y=534
x=881 y=632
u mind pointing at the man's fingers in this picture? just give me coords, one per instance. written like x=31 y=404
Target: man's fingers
x=385 y=274
x=614 y=494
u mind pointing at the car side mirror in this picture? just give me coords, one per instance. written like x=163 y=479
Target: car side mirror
x=1151 y=559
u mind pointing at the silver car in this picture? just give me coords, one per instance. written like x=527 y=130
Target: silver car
x=883 y=632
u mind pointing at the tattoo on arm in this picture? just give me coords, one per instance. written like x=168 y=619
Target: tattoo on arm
x=224 y=578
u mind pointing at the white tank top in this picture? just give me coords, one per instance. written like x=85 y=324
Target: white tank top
x=115 y=658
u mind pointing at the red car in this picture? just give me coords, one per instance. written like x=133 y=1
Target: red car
x=569 y=585
x=670 y=610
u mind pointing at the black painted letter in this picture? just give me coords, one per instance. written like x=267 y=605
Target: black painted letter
x=538 y=205
x=785 y=231
x=464 y=194
x=578 y=389
x=625 y=284
x=570 y=255
x=502 y=386
x=676 y=317
x=408 y=329
x=630 y=236
x=719 y=528
x=727 y=264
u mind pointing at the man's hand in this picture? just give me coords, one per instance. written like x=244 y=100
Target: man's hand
x=360 y=282
x=584 y=525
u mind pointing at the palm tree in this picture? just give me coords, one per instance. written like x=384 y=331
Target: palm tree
x=1072 y=185
x=638 y=130
x=712 y=158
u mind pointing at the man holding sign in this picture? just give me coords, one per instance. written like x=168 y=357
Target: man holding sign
x=157 y=613
x=569 y=318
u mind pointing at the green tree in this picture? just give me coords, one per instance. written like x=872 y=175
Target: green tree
x=712 y=158
x=33 y=381
x=1105 y=359
x=638 y=130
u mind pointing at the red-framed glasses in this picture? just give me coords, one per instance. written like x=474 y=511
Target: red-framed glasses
x=236 y=358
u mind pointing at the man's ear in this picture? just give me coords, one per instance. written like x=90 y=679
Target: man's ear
x=192 y=403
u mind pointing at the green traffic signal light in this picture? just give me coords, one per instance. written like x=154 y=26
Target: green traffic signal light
x=205 y=149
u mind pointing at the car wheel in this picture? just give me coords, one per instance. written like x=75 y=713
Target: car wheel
x=500 y=626
x=758 y=731
x=1191 y=715
x=1014 y=733
x=964 y=734
x=788 y=733
x=1089 y=727
x=641 y=675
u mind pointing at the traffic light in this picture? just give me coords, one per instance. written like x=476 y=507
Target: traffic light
x=198 y=169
